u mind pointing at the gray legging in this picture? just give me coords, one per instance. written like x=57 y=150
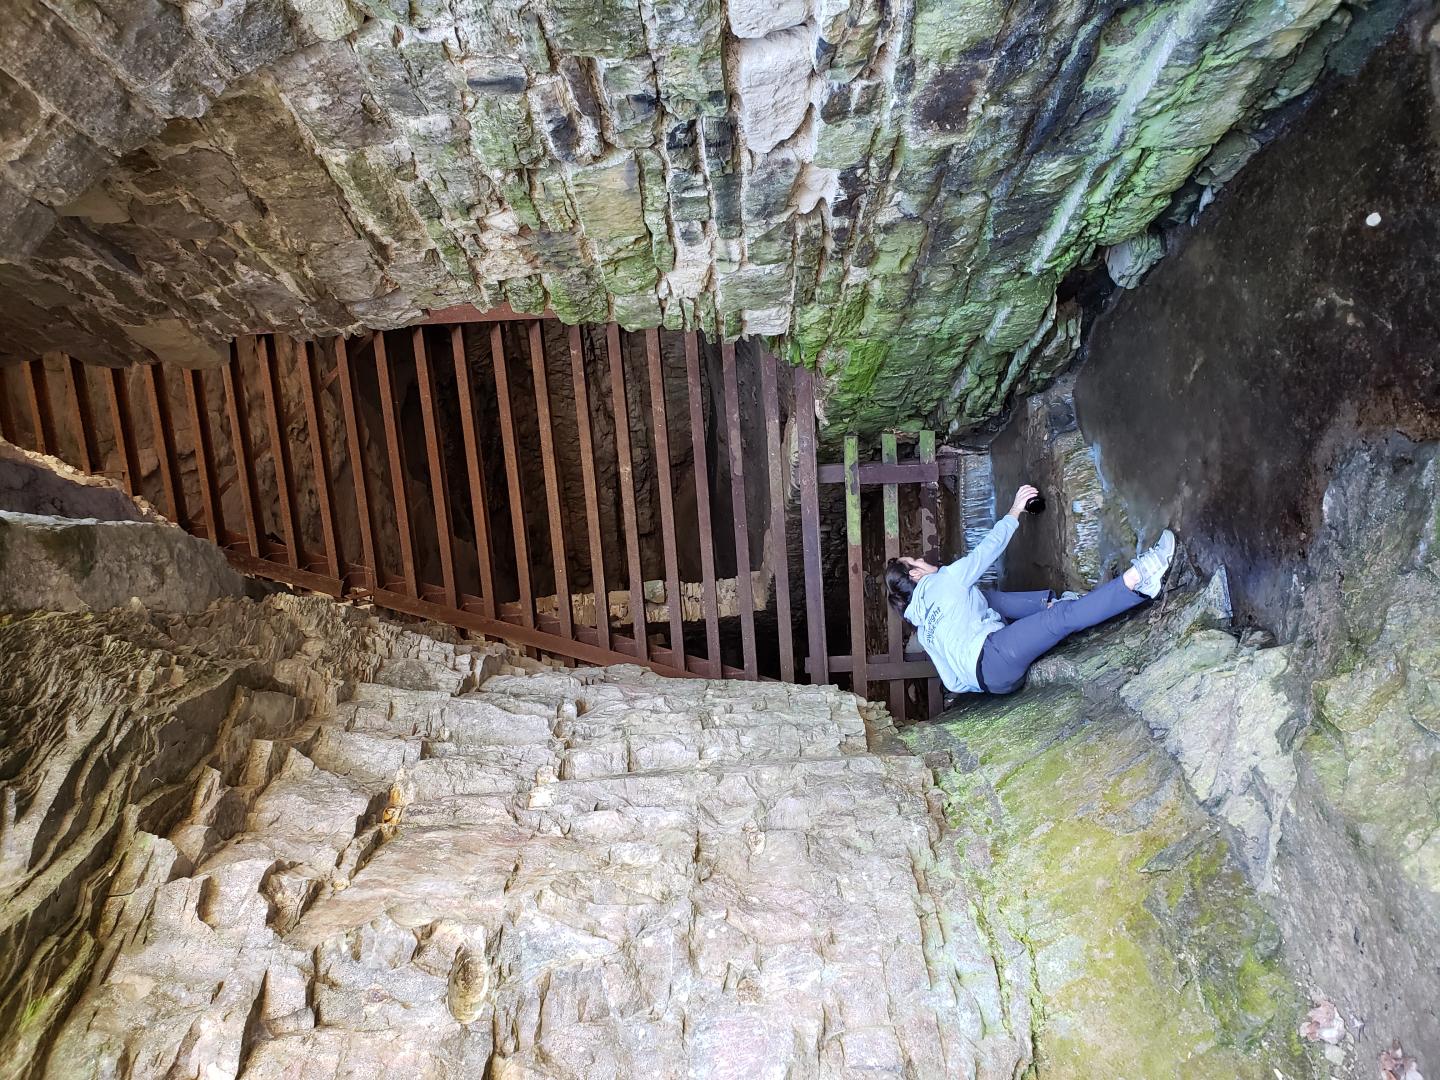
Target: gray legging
x=1034 y=629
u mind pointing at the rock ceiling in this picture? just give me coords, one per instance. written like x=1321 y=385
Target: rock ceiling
x=896 y=188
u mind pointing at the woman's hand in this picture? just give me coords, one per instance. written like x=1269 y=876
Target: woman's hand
x=1024 y=495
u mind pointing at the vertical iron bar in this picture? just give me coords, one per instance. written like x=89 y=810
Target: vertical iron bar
x=744 y=587
x=856 y=567
x=8 y=430
x=476 y=468
x=37 y=389
x=309 y=362
x=621 y=412
x=164 y=439
x=667 y=498
x=819 y=659
x=779 y=542
x=268 y=348
x=512 y=477
x=119 y=394
x=709 y=601
x=204 y=453
x=544 y=421
x=82 y=418
x=929 y=542
x=240 y=442
x=439 y=496
x=889 y=454
x=592 y=501
x=398 y=488
x=358 y=473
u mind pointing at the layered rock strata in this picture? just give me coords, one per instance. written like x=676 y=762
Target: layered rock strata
x=897 y=188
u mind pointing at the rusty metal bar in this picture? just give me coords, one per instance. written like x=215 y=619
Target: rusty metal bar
x=8 y=430
x=82 y=418
x=545 y=422
x=475 y=467
x=165 y=445
x=512 y=477
x=882 y=667
x=855 y=559
x=667 y=495
x=469 y=313
x=709 y=601
x=119 y=394
x=358 y=473
x=621 y=412
x=744 y=587
x=38 y=390
x=319 y=456
x=399 y=489
x=439 y=495
x=810 y=524
x=889 y=453
x=929 y=544
x=267 y=352
x=204 y=446
x=779 y=542
x=587 y=477
x=240 y=443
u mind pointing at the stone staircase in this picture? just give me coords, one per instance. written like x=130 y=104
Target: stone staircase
x=478 y=865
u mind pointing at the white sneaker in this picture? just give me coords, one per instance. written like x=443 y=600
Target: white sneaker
x=1154 y=563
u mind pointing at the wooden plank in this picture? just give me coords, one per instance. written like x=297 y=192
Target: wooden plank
x=889 y=454
x=8 y=429
x=81 y=416
x=204 y=446
x=439 y=494
x=475 y=469
x=855 y=566
x=545 y=423
x=321 y=475
x=709 y=601
x=587 y=479
x=41 y=417
x=667 y=495
x=164 y=436
x=399 y=490
x=240 y=443
x=284 y=572
x=930 y=545
x=876 y=473
x=621 y=413
x=512 y=477
x=268 y=353
x=810 y=524
x=779 y=543
x=744 y=587
x=119 y=394
x=882 y=667
x=469 y=313
x=358 y=473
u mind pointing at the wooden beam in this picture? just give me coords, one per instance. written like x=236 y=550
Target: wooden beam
x=621 y=412
x=545 y=423
x=709 y=600
x=512 y=477
x=41 y=416
x=321 y=475
x=469 y=313
x=439 y=492
x=875 y=473
x=81 y=416
x=810 y=524
x=399 y=490
x=778 y=542
x=666 y=492
x=889 y=453
x=881 y=667
x=734 y=436
x=856 y=567
x=119 y=394
x=359 y=475
x=164 y=438
x=475 y=469
x=587 y=479
x=203 y=444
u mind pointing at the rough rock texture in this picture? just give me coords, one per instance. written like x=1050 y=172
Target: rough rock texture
x=899 y=188
x=33 y=483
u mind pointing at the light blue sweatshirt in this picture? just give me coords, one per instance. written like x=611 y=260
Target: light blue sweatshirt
x=951 y=617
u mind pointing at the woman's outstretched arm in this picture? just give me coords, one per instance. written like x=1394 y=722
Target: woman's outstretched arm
x=973 y=566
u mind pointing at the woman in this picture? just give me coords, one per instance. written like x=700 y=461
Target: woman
x=985 y=640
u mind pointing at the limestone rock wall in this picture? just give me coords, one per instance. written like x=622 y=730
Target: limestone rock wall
x=898 y=188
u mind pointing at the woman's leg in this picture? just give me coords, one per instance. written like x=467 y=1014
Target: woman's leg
x=1009 y=652
x=1017 y=605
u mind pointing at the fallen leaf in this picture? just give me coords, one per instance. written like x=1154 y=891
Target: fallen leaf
x=1323 y=1024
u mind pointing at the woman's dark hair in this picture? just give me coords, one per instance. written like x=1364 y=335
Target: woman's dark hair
x=898 y=586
